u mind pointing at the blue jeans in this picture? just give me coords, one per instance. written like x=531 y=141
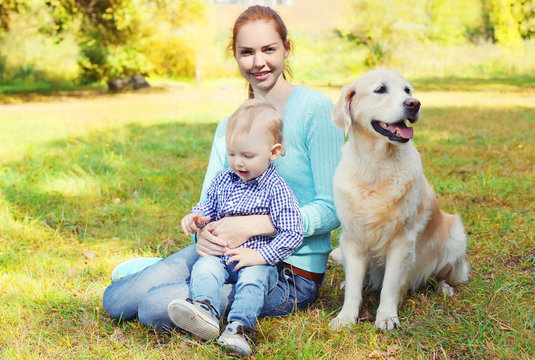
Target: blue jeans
x=253 y=283
x=147 y=294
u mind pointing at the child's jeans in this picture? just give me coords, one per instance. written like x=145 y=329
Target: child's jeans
x=253 y=283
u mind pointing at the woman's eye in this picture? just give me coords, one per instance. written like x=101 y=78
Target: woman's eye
x=270 y=50
x=380 y=90
x=246 y=52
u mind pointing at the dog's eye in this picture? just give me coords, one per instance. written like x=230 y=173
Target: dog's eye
x=408 y=90
x=380 y=90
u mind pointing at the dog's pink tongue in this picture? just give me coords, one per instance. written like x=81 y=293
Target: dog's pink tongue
x=402 y=131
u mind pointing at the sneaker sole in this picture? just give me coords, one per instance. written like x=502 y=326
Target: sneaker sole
x=187 y=317
x=233 y=346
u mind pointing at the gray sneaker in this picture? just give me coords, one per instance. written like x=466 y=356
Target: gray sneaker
x=196 y=317
x=236 y=338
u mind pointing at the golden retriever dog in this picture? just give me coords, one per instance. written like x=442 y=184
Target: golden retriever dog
x=392 y=227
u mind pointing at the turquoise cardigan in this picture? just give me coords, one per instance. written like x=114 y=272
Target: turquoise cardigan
x=311 y=153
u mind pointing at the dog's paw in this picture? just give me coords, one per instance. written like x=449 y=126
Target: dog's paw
x=340 y=323
x=387 y=324
x=386 y=320
x=445 y=289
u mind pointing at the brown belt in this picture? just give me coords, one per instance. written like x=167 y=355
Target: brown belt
x=316 y=277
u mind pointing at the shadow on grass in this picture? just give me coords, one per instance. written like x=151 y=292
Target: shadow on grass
x=132 y=184
x=53 y=92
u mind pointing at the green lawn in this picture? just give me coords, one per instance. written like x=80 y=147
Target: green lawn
x=88 y=182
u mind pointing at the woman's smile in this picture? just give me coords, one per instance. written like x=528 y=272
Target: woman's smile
x=260 y=76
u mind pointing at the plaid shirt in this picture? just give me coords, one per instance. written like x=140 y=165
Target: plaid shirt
x=268 y=194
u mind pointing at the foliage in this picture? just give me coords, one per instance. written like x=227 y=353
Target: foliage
x=174 y=44
x=82 y=181
x=118 y=35
x=511 y=20
x=446 y=29
x=526 y=15
x=385 y=26
x=506 y=29
x=326 y=58
x=113 y=36
x=29 y=51
x=8 y=8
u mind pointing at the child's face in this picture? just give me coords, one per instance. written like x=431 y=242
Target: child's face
x=250 y=154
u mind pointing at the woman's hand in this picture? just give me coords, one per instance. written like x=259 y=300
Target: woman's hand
x=245 y=257
x=236 y=230
x=209 y=244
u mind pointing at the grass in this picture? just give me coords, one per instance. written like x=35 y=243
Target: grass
x=88 y=182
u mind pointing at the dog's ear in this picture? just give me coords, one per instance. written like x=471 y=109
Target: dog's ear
x=341 y=115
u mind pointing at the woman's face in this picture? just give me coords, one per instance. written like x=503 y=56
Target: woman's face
x=260 y=55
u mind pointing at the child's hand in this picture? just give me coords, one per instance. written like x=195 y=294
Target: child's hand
x=191 y=222
x=245 y=257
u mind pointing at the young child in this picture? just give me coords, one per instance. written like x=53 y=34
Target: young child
x=249 y=186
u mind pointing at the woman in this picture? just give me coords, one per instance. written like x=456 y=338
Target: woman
x=260 y=47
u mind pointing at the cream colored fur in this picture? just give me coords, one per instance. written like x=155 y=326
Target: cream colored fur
x=392 y=227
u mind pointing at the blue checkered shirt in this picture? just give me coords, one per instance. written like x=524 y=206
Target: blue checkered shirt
x=268 y=194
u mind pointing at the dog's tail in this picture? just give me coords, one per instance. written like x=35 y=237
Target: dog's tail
x=454 y=253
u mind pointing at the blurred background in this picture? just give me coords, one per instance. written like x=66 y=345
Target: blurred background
x=62 y=43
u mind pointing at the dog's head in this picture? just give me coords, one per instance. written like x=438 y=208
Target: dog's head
x=381 y=102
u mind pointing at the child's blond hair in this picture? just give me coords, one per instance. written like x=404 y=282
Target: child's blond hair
x=257 y=113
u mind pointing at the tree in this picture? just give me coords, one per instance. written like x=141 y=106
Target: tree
x=511 y=21
x=526 y=10
x=110 y=33
x=114 y=36
x=382 y=25
x=31 y=50
x=504 y=18
x=454 y=21
x=7 y=9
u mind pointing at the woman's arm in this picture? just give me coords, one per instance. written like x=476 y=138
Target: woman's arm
x=218 y=158
x=324 y=141
x=236 y=230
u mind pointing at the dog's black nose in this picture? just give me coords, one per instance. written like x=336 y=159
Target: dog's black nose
x=412 y=104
